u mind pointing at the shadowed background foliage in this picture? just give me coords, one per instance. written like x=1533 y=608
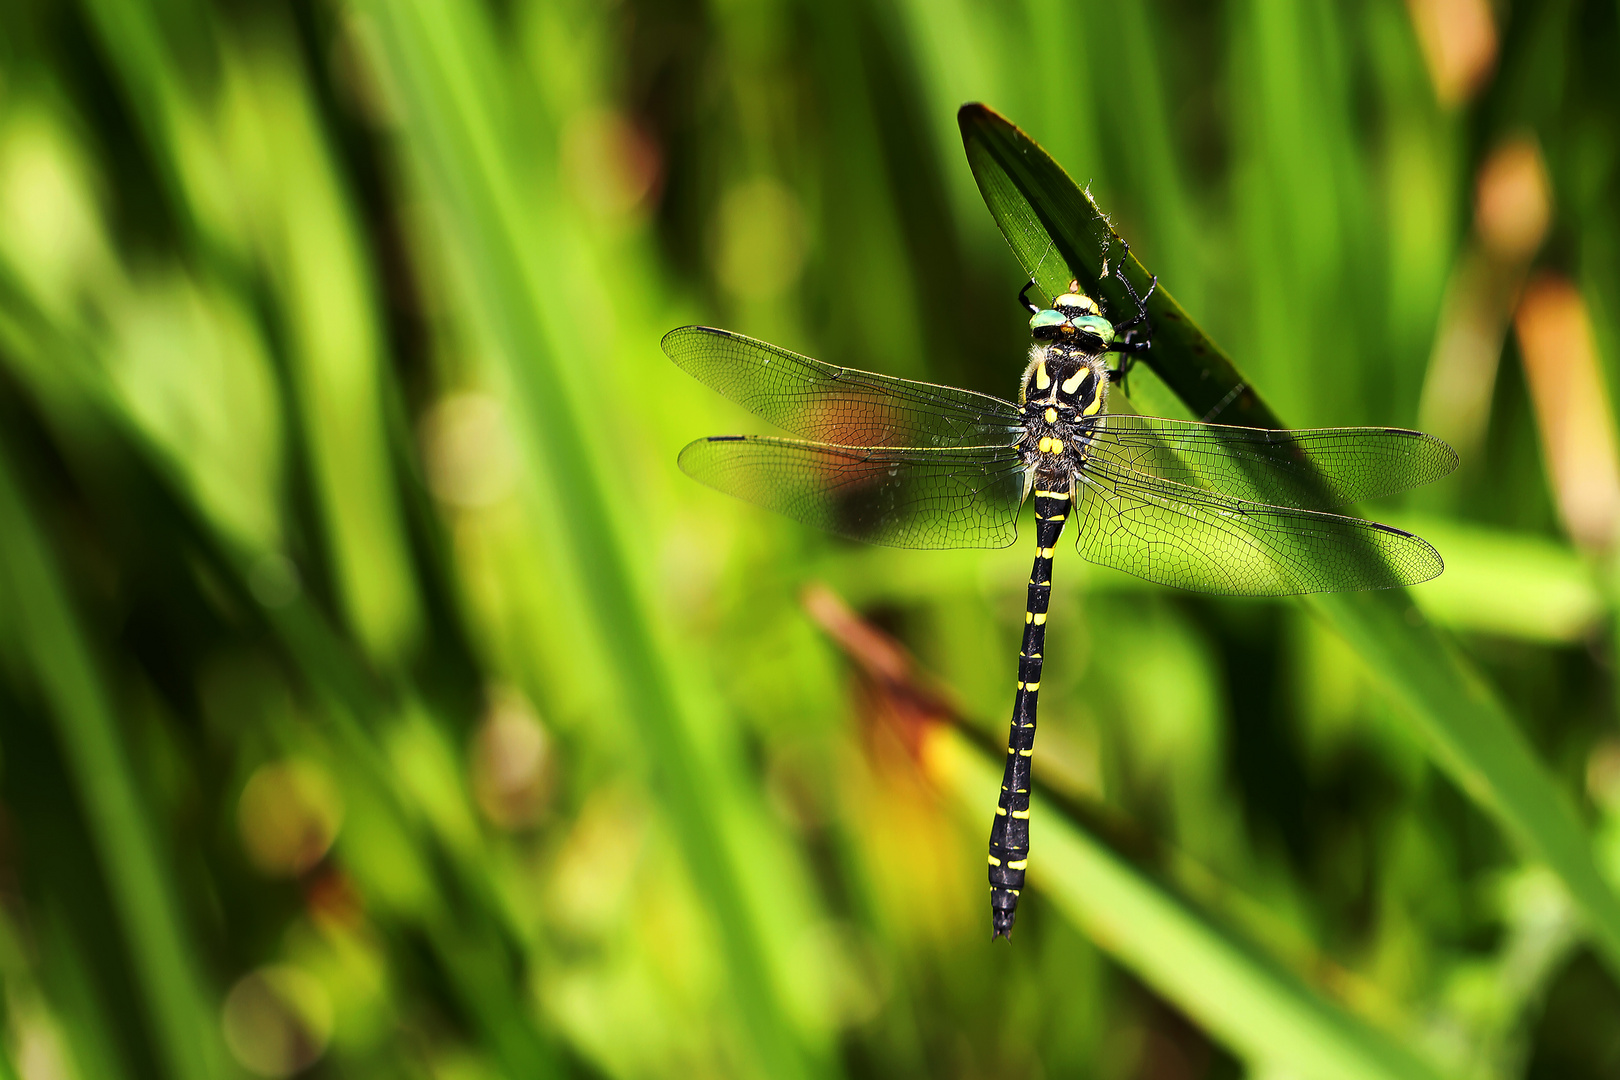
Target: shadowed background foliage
x=377 y=699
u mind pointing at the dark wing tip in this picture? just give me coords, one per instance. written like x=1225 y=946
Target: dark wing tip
x=680 y=333
x=690 y=454
x=1450 y=452
x=673 y=336
x=1421 y=562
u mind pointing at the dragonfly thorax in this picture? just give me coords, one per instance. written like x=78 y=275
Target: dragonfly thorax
x=1066 y=376
x=1063 y=395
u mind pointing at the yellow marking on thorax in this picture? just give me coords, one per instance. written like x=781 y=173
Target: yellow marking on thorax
x=1093 y=408
x=1051 y=416
x=1071 y=384
x=1042 y=379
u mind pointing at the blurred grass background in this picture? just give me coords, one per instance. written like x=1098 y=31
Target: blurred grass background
x=377 y=699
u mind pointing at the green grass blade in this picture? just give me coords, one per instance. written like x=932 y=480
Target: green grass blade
x=469 y=942
x=1268 y=1015
x=45 y=631
x=1510 y=584
x=1057 y=231
x=440 y=56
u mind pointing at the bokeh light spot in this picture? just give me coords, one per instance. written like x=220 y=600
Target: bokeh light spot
x=511 y=763
x=1603 y=774
x=468 y=451
x=289 y=814
x=1513 y=200
x=49 y=223
x=273 y=580
x=1572 y=408
x=612 y=166
x=277 y=1020
x=1458 y=39
x=760 y=240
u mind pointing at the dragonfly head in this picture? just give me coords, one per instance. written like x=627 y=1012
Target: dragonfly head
x=1075 y=304
x=1073 y=317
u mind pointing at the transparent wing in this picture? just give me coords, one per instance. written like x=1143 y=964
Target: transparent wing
x=1314 y=468
x=1201 y=540
x=838 y=405
x=901 y=497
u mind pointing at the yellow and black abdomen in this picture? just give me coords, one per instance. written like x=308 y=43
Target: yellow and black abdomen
x=1009 y=833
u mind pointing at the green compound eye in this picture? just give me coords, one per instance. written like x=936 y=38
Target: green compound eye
x=1096 y=326
x=1045 y=324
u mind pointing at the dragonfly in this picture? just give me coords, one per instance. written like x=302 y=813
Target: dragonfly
x=1211 y=508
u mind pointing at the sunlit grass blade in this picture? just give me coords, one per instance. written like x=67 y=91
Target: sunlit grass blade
x=1509 y=584
x=1269 y=1016
x=440 y=56
x=1469 y=730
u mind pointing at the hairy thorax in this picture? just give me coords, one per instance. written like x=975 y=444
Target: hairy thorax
x=1064 y=392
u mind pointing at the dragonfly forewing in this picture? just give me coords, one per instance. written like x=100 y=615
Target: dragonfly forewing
x=842 y=406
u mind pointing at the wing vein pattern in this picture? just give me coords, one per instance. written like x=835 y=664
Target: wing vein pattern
x=1202 y=540
x=897 y=496
x=1309 y=468
x=1206 y=507
x=842 y=406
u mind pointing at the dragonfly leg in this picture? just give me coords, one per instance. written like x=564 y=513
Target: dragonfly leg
x=1128 y=352
x=1023 y=298
x=1136 y=334
x=1141 y=318
x=1139 y=301
x=1121 y=372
